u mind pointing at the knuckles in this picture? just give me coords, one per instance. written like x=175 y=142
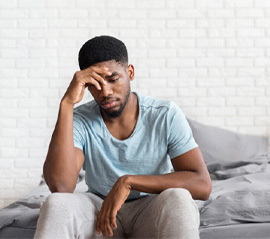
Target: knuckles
x=76 y=74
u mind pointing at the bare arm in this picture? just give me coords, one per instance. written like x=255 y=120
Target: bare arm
x=190 y=173
x=64 y=161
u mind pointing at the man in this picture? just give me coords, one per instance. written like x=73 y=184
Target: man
x=127 y=143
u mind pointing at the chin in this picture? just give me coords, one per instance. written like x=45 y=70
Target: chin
x=113 y=114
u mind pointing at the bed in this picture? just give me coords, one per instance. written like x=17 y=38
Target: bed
x=239 y=205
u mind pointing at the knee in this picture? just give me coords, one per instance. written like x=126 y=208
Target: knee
x=177 y=196
x=178 y=201
x=177 y=204
x=177 y=192
x=57 y=201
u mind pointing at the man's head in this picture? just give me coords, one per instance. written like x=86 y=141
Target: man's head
x=109 y=52
x=100 y=49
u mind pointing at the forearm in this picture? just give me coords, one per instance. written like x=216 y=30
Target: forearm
x=60 y=169
x=191 y=181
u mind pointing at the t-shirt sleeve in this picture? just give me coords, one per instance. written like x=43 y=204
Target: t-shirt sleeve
x=180 y=137
x=78 y=132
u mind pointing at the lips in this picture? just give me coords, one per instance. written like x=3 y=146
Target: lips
x=108 y=104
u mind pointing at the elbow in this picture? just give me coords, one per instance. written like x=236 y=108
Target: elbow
x=206 y=189
x=58 y=184
x=61 y=188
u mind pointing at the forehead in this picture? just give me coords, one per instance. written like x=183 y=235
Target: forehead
x=111 y=65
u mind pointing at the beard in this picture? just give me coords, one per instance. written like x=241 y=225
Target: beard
x=117 y=113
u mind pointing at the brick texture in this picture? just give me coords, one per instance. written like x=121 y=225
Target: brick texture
x=211 y=57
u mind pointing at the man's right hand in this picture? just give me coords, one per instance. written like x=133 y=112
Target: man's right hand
x=81 y=79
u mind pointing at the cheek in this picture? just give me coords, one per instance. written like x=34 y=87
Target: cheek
x=117 y=87
x=122 y=85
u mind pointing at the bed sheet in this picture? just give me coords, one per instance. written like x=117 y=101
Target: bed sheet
x=238 y=207
x=243 y=231
x=239 y=195
x=16 y=232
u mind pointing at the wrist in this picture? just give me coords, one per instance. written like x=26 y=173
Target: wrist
x=126 y=181
x=65 y=103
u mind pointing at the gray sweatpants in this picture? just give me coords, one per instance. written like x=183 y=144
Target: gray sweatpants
x=170 y=214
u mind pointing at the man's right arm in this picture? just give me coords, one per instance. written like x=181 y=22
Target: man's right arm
x=64 y=162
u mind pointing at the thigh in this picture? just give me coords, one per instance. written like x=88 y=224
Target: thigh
x=83 y=206
x=69 y=215
x=170 y=214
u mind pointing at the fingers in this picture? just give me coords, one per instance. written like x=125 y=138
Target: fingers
x=99 y=69
x=113 y=219
x=81 y=79
x=101 y=224
x=98 y=224
x=94 y=82
x=105 y=221
x=110 y=206
x=93 y=75
x=108 y=226
x=97 y=80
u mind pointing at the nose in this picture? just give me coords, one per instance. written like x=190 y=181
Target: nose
x=106 y=90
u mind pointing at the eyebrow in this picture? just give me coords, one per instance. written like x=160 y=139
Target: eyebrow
x=112 y=75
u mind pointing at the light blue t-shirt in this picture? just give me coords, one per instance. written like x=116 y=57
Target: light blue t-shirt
x=161 y=133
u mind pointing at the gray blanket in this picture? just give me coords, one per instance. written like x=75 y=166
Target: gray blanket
x=241 y=194
x=24 y=212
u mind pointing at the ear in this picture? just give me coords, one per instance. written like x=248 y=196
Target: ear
x=130 y=71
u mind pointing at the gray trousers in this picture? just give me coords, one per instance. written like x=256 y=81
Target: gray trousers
x=170 y=214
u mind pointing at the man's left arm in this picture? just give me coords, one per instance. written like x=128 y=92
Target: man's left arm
x=190 y=173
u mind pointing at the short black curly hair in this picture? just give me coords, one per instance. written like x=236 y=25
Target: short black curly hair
x=102 y=48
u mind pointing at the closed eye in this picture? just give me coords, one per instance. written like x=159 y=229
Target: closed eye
x=113 y=80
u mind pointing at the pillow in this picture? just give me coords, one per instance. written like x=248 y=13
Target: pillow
x=223 y=149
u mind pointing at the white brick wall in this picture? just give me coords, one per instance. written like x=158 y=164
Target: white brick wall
x=211 y=57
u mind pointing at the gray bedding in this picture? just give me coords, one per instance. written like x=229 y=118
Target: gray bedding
x=239 y=205
x=242 y=195
x=243 y=231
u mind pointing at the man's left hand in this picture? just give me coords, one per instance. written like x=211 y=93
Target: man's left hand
x=111 y=205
